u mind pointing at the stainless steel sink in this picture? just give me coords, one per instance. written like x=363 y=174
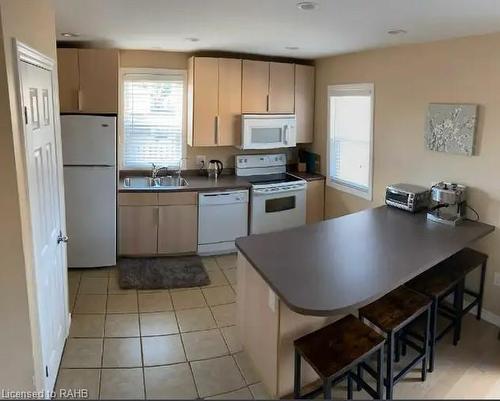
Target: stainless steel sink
x=165 y=182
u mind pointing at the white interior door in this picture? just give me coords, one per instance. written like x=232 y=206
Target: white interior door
x=44 y=185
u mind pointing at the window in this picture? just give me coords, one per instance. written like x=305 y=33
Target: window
x=350 y=138
x=153 y=118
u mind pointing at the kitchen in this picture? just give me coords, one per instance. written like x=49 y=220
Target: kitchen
x=228 y=209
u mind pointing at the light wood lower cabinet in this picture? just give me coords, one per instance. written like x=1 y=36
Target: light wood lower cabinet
x=138 y=230
x=178 y=229
x=315 y=201
x=157 y=223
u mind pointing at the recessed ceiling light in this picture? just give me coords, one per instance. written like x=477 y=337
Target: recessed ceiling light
x=397 y=32
x=307 y=5
x=193 y=39
x=69 y=35
x=291 y=47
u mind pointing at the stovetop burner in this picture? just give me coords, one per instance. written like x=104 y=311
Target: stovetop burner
x=272 y=179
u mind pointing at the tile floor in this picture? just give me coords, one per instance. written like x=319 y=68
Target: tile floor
x=177 y=344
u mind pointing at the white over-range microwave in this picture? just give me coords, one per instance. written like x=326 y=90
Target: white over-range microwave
x=267 y=131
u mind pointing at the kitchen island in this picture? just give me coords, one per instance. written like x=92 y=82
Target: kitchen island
x=295 y=281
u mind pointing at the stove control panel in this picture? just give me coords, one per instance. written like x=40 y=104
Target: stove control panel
x=251 y=161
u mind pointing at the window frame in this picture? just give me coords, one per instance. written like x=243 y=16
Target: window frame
x=121 y=116
x=337 y=184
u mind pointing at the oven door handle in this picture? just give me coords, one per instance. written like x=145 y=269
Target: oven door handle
x=281 y=191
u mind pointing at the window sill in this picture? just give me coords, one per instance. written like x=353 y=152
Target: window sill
x=368 y=195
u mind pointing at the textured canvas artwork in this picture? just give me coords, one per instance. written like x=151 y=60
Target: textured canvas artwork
x=451 y=128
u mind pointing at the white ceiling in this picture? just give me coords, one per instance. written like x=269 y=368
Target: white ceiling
x=268 y=26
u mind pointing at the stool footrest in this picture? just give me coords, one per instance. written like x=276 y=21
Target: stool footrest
x=410 y=366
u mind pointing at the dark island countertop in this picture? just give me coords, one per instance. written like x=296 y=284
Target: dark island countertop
x=341 y=264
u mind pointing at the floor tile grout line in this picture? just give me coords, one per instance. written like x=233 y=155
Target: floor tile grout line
x=185 y=354
x=141 y=345
x=103 y=338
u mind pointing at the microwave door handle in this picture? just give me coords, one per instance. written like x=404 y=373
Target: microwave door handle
x=285 y=130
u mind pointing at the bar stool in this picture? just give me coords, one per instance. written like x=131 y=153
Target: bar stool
x=334 y=351
x=448 y=277
x=391 y=314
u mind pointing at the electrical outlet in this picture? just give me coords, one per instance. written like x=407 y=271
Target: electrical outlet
x=201 y=161
x=496 y=280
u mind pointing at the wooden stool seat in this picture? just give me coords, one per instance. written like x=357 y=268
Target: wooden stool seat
x=392 y=314
x=336 y=347
x=334 y=353
x=443 y=279
x=394 y=310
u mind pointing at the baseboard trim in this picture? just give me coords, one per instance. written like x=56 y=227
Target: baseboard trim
x=487 y=316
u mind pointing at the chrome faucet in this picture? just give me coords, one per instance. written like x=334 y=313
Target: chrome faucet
x=155 y=170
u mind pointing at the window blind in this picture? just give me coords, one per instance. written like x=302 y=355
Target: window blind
x=350 y=138
x=153 y=119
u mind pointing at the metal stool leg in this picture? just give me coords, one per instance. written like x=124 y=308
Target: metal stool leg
x=389 y=380
x=481 y=291
x=360 y=375
x=397 y=344
x=433 y=332
x=327 y=389
x=380 y=372
x=426 y=343
x=458 y=304
x=296 y=376
x=349 y=386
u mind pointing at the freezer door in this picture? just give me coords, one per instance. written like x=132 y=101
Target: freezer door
x=91 y=215
x=88 y=140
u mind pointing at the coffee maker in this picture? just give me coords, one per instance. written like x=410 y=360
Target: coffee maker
x=447 y=203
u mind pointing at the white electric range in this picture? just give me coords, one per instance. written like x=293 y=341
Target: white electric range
x=277 y=198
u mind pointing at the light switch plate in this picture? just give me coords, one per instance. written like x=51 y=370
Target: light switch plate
x=496 y=280
x=201 y=161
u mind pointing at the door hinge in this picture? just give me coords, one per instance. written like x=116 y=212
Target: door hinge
x=25 y=115
x=46 y=371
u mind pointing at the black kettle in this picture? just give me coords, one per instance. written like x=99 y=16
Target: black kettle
x=215 y=168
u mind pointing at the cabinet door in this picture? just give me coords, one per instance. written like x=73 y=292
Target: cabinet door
x=304 y=102
x=98 y=80
x=205 y=101
x=315 y=203
x=255 y=86
x=281 y=88
x=69 y=80
x=178 y=229
x=229 y=129
x=138 y=230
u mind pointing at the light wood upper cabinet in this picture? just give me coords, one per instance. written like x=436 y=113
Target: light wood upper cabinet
x=98 y=80
x=255 y=86
x=304 y=102
x=69 y=79
x=214 y=101
x=205 y=100
x=178 y=229
x=88 y=80
x=315 y=201
x=281 y=88
x=138 y=230
x=229 y=129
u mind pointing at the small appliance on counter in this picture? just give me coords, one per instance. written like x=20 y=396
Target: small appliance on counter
x=214 y=168
x=409 y=197
x=448 y=203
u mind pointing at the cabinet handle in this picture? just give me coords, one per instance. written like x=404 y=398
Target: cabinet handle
x=79 y=100
x=216 y=130
x=267 y=103
x=157 y=216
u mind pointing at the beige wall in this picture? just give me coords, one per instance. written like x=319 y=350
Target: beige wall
x=406 y=80
x=179 y=60
x=33 y=23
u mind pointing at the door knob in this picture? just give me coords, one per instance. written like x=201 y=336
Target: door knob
x=62 y=238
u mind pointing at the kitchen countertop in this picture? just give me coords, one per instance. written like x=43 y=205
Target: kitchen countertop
x=341 y=264
x=197 y=183
x=308 y=176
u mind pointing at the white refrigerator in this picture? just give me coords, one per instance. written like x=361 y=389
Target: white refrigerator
x=89 y=158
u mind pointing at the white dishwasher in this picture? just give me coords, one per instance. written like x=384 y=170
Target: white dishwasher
x=222 y=217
